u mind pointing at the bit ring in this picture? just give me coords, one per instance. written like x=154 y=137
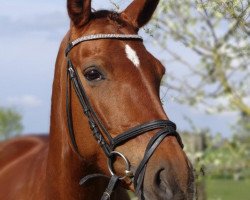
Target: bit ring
x=128 y=173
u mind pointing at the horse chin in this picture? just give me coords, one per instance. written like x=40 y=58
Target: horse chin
x=167 y=194
x=149 y=195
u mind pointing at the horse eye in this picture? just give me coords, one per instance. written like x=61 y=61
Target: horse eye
x=93 y=75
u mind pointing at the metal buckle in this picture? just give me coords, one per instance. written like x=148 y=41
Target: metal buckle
x=128 y=172
x=71 y=72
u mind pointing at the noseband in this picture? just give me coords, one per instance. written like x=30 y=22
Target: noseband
x=108 y=143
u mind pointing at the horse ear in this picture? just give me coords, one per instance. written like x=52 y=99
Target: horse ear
x=79 y=11
x=139 y=12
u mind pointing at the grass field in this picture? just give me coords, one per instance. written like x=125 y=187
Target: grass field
x=219 y=189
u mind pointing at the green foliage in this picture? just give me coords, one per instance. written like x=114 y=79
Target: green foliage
x=223 y=158
x=10 y=123
x=231 y=159
x=216 y=33
x=218 y=189
x=243 y=127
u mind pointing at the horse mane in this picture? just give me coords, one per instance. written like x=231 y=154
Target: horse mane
x=110 y=15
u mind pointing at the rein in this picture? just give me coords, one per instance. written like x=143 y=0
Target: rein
x=167 y=128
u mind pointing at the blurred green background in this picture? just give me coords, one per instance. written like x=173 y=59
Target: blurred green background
x=205 y=46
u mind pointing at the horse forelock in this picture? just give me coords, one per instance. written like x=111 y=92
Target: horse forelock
x=112 y=16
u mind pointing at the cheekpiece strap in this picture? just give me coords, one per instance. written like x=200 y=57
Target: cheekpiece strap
x=111 y=186
x=101 y=36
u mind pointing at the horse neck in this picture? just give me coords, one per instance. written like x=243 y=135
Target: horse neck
x=59 y=150
x=65 y=167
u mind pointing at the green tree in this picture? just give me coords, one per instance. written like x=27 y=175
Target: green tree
x=10 y=123
x=225 y=158
x=216 y=33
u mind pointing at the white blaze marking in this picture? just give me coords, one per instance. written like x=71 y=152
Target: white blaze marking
x=132 y=55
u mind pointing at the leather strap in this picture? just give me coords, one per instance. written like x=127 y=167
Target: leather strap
x=69 y=114
x=167 y=128
x=85 y=179
x=151 y=147
x=111 y=186
x=138 y=130
x=87 y=109
x=101 y=36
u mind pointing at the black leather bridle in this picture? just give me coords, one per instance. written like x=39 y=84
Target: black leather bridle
x=166 y=127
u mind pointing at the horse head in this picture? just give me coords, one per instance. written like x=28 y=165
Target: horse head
x=112 y=94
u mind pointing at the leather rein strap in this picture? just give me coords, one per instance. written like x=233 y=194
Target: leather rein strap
x=166 y=127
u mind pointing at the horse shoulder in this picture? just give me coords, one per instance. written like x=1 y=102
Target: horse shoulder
x=23 y=167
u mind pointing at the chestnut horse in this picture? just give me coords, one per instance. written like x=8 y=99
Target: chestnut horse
x=105 y=88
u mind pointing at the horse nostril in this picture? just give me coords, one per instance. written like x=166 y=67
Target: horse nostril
x=159 y=179
x=162 y=186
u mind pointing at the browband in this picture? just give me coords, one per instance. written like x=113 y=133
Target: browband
x=101 y=36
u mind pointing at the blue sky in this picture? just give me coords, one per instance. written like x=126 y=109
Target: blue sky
x=30 y=34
